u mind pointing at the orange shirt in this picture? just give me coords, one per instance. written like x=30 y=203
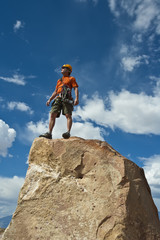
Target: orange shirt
x=69 y=81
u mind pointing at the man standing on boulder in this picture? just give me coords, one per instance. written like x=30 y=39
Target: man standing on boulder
x=63 y=101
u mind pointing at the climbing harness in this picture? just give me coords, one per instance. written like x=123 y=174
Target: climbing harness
x=65 y=94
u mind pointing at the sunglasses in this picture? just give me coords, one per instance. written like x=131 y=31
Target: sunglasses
x=66 y=67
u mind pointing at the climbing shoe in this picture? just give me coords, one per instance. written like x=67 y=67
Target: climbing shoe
x=46 y=135
x=66 y=135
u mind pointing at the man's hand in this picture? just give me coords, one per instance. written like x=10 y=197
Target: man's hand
x=54 y=94
x=76 y=102
x=48 y=102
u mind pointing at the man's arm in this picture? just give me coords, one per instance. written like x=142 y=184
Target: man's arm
x=76 y=101
x=54 y=94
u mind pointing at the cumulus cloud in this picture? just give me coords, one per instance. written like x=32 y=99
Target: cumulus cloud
x=136 y=113
x=87 y=130
x=21 y=106
x=7 y=137
x=34 y=129
x=16 y=79
x=152 y=173
x=82 y=129
x=9 y=189
x=18 y=25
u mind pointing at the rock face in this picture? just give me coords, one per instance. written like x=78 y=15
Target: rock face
x=80 y=189
x=1 y=232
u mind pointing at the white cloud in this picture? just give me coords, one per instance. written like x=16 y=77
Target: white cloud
x=130 y=62
x=7 y=137
x=143 y=24
x=9 y=189
x=152 y=173
x=119 y=7
x=33 y=130
x=16 y=79
x=17 y=26
x=136 y=113
x=143 y=13
x=21 y=106
x=112 y=5
x=81 y=129
x=87 y=130
x=130 y=112
x=129 y=58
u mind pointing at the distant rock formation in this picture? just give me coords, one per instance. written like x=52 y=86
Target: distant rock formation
x=80 y=189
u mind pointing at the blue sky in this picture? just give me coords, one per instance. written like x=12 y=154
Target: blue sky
x=113 y=47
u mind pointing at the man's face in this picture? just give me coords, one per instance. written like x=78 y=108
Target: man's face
x=65 y=70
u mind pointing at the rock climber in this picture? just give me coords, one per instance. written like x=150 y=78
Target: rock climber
x=63 y=101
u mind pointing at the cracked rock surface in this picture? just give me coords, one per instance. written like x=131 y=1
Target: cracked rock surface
x=80 y=189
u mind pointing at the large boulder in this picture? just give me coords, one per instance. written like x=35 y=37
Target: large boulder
x=80 y=189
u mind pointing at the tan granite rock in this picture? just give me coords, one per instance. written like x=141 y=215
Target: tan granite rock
x=1 y=232
x=80 y=189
